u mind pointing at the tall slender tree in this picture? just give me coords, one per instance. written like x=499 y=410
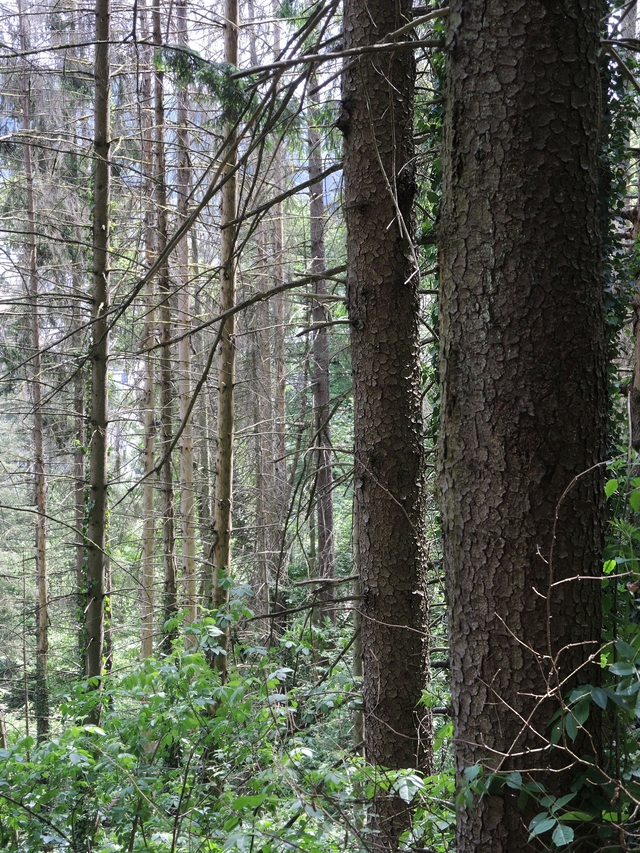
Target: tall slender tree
x=383 y=303
x=320 y=376
x=166 y=373
x=147 y=569
x=41 y=704
x=97 y=508
x=523 y=392
x=226 y=378
x=184 y=312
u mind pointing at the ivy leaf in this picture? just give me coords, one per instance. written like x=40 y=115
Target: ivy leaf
x=599 y=697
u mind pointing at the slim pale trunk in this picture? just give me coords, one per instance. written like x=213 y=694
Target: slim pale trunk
x=226 y=377
x=41 y=704
x=187 y=492
x=166 y=374
x=320 y=377
x=148 y=391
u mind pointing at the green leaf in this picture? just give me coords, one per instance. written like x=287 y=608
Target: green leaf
x=541 y=823
x=444 y=733
x=570 y=726
x=562 y=835
x=583 y=817
x=581 y=711
x=622 y=668
x=626 y=651
x=610 y=487
x=631 y=690
x=599 y=696
x=634 y=500
x=250 y=802
x=231 y=822
x=96 y=730
x=405 y=790
x=470 y=773
x=609 y=566
x=636 y=710
x=562 y=801
x=514 y=780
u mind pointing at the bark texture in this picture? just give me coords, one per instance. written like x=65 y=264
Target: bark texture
x=383 y=303
x=523 y=387
x=97 y=510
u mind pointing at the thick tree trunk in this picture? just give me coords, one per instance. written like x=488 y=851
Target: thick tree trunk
x=383 y=303
x=183 y=325
x=41 y=703
x=523 y=390
x=166 y=375
x=226 y=379
x=320 y=380
x=97 y=511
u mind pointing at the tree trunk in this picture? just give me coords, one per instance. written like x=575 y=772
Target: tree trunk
x=147 y=569
x=523 y=391
x=79 y=489
x=183 y=325
x=383 y=304
x=226 y=379
x=321 y=388
x=204 y=488
x=97 y=511
x=280 y=479
x=166 y=375
x=41 y=703
x=266 y=527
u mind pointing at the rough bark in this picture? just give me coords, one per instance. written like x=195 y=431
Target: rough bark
x=226 y=380
x=383 y=303
x=321 y=387
x=97 y=509
x=523 y=388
